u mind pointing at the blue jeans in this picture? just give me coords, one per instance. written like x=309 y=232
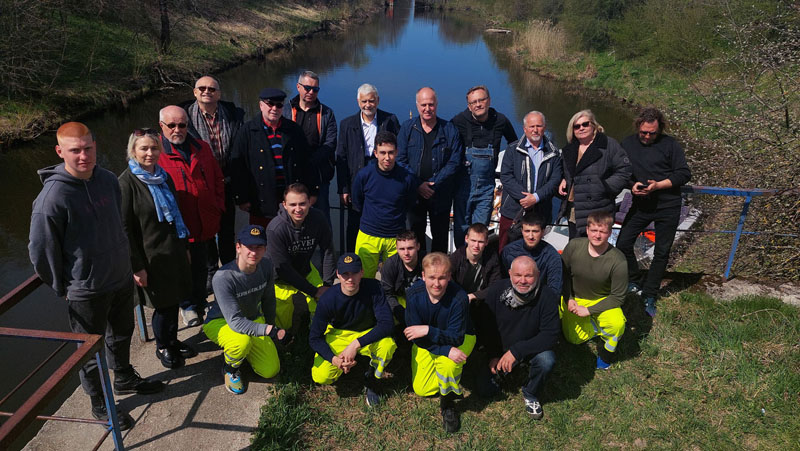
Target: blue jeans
x=474 y=192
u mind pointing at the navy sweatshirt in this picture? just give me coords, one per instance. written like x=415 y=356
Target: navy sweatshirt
x=526 y=330
x=383 y=198
x=447 y=320
x=367 y=309
x=546 y=257
x=663 y=159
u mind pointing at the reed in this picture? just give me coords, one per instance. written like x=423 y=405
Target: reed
x=543 y=40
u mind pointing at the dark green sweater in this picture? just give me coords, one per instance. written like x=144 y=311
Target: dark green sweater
x=588 y=277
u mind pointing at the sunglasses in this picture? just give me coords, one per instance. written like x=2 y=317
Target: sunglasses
x=172 y=125
x=311 y=88
x=210 y=89
x=145 y=131
x=274 y=104
x=581 y=125
x=648 y=133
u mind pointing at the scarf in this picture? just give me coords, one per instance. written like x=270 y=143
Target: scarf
x=514 y=299
x=166 y=207
x=225 y=132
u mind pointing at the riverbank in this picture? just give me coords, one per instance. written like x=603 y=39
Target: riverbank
x=111 y=60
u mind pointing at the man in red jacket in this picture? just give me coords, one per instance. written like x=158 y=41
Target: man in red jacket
x=201 y=198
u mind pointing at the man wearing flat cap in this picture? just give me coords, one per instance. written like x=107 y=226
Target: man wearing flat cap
x=352 y=318
x=242 y=321
x=269 y=153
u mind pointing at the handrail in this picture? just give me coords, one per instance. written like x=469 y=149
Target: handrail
x=88 y=345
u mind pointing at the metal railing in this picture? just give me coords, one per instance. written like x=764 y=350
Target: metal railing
x=88 y=346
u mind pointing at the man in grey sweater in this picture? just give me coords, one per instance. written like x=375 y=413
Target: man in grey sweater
x=241 y=320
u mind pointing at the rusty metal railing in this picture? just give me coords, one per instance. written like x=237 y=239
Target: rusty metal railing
x=88 y=346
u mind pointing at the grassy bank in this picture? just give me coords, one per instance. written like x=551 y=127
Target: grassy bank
x=705 y=374
x=109 y=57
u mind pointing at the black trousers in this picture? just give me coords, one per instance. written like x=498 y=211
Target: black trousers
x=109 y=315
x=223 y=249
x=440 y=225
x=353 y=222
x=165 y=326
x=198 y=250
x=636 y=221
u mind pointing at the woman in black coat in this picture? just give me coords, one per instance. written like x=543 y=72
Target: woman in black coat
x=596 y=170
x=158 y=240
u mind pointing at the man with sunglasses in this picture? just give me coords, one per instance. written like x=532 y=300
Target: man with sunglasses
x=199 y=185
x=659 y=170
x=216 y=122
x=270 y=153
x=319 y=127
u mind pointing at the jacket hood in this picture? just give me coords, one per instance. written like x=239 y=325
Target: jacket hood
x=58 y=173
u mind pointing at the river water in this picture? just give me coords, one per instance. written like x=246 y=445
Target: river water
x=398 y=51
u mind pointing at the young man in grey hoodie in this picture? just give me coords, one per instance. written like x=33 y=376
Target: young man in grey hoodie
x=292 y=239
x=79 y=248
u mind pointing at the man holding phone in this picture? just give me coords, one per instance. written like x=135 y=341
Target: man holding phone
x=659 y=170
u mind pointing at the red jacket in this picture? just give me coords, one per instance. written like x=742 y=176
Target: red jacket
x=200 y=187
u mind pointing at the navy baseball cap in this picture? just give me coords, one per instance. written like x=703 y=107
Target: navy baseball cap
x=272 y=94
x=348 y=262
x=252 y=235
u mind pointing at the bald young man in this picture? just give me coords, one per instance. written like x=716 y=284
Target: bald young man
x=79 y=248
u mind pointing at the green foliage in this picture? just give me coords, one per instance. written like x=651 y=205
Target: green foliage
x=588 y=21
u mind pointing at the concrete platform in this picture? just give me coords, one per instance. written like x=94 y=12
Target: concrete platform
x=194 y=412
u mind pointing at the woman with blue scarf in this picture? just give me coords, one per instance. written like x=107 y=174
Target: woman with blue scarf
x=158 y=241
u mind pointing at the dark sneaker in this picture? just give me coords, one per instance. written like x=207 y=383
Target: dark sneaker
x=127 y=382
x=170 y=357
x=634 y=288
x=450 y=420
x=191 y=318
x=99 y=412
x=187 y=352
x=650 y=307
x=534 y=408
x=601 y=364
x=372 y=398
x=234 y=382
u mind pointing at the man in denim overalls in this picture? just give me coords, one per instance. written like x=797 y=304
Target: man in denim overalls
x=481 y=128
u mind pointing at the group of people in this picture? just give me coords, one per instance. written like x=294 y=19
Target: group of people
x=163 y=232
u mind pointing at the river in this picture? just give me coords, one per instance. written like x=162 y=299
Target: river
x=398 y=51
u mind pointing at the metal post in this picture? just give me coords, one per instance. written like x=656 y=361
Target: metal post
x=738 y=235
x=342 y=244
x=111 y=406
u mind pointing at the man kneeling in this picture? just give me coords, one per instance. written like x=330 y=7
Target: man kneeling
x=352 y=318
x=239 y=321
x=437 y=315
x=518 y=322
x=595 y=282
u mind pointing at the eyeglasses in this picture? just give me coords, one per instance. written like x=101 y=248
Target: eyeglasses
x=210 y=89
x=274 y=104
x=643 y=133
x=581 y=125
x=477 y=101
x=172 y=125
x=145 y=131
x=310 y=88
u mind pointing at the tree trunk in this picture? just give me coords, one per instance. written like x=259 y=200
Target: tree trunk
x=164 y=26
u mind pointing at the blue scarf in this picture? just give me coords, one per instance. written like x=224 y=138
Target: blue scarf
x=166 y=207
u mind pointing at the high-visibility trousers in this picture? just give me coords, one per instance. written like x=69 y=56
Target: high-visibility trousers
x=259 y=351
x=284 y=307
x=432 y=374
x=609 y=324
x=379 y=352
x=370 y=248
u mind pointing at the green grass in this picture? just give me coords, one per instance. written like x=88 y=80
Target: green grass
x=705 y=374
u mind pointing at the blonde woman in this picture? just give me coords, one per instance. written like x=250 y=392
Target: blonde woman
x=596 y=169
x=158 y=240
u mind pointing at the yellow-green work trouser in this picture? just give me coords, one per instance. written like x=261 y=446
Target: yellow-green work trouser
x=370 y=248
x=259 y=351
x=609 y=325
x=380 y=354
x=284 y=307
x=431 y=373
